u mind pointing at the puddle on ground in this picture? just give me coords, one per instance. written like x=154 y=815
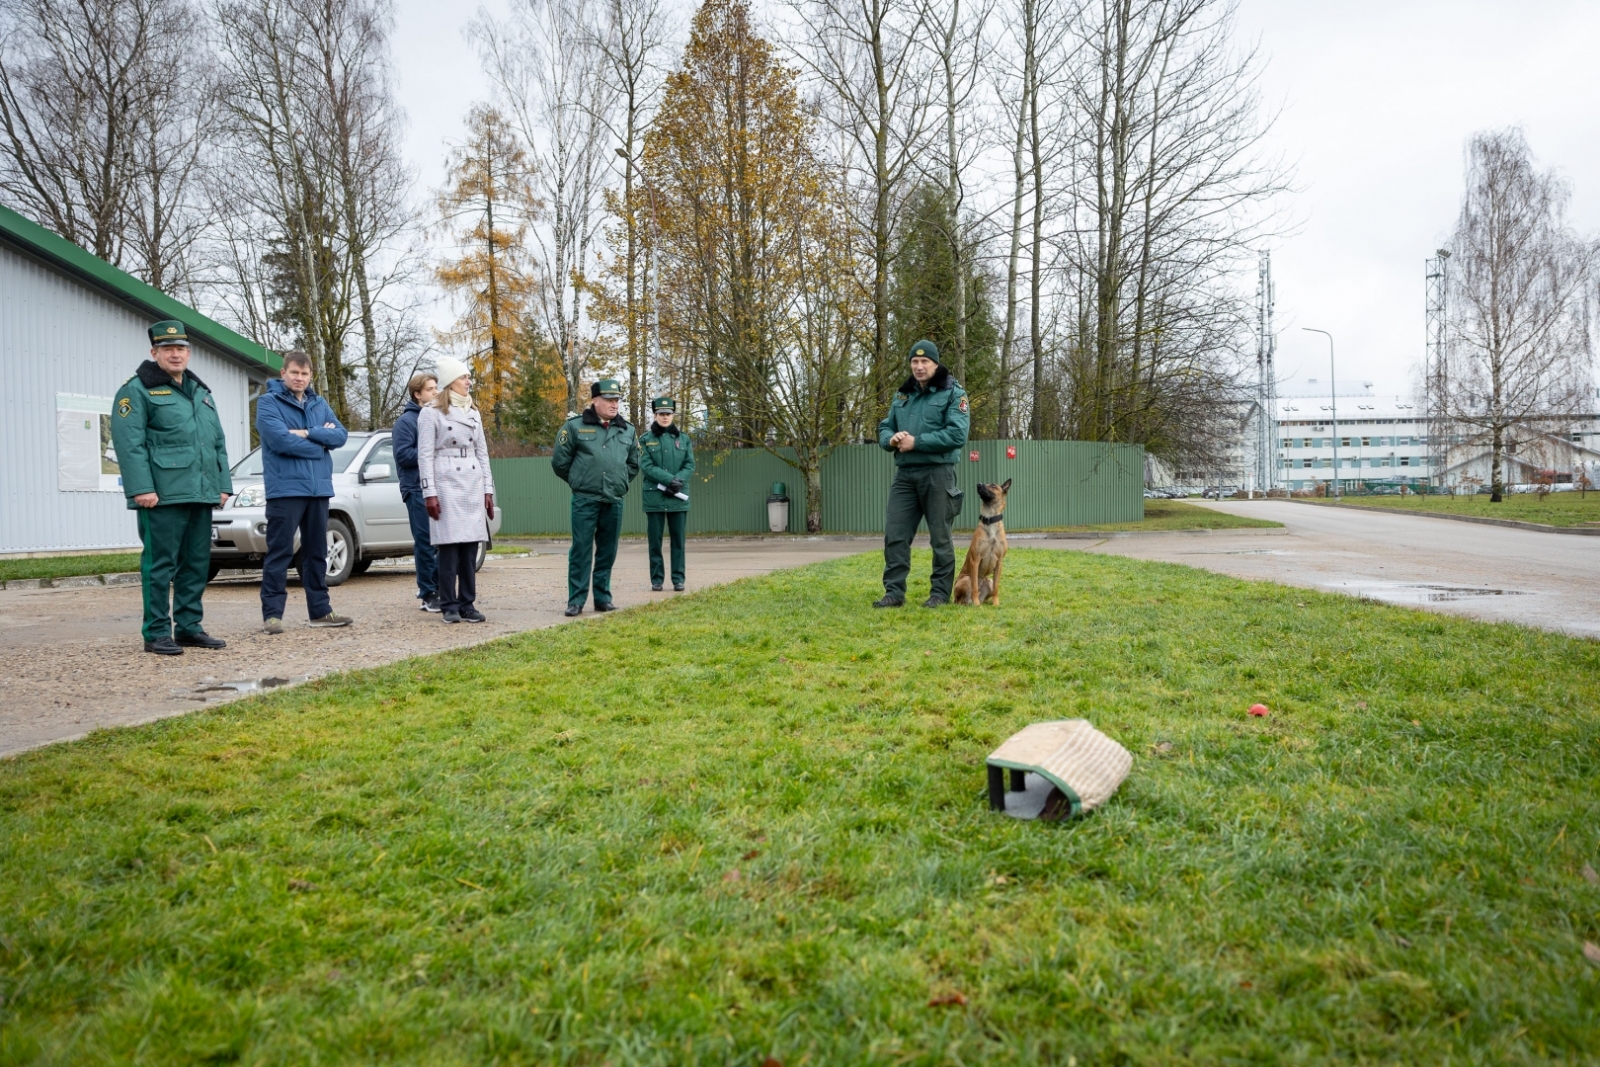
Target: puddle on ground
x=214 y=689
x=1418 y=593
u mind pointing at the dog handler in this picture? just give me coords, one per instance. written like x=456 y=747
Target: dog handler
x=926 y=428
x=597 y=454
x=667 y=459
x=174 y=463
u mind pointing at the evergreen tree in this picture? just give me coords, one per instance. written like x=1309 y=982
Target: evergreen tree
x=923 y=302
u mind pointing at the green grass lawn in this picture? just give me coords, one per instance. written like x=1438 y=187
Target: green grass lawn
x=68 y=566
x=1177 y=515
x=1557 y=509
x=751 y=822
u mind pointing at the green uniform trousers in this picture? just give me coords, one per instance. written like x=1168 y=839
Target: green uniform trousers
x=176 y=561
x=675 y=522
x=925 y=492
x=596 y=528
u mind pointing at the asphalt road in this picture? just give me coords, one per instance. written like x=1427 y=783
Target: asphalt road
x=1545 y=580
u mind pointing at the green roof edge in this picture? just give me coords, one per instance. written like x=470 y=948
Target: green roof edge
x=90 y=268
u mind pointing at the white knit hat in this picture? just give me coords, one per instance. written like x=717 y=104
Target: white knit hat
x=449 y=370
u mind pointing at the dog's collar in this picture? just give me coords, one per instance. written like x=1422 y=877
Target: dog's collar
x=990 y=520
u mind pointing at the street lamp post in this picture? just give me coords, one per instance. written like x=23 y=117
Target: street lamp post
x=1333 y=395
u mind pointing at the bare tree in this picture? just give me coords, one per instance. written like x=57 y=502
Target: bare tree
x=547 y=65
x=1519 y=348
x=312 y=199
x=868 y=56
x=103 y=104
x=960 y=47
x=358 y=138
x=632 y=36
x=1173 y=189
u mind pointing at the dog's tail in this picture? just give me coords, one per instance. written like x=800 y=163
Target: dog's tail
x=963 y=590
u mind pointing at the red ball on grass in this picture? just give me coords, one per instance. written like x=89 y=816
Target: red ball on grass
x=1258 y=709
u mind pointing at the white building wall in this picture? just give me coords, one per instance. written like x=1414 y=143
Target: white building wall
x=58 y=335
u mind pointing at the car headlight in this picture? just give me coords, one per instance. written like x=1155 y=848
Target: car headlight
x=251 y=496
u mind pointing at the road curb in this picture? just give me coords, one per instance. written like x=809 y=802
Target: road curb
x=1511 y=523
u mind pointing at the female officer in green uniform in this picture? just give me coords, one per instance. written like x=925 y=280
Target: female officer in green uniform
x=667 y=460
x=174 y=463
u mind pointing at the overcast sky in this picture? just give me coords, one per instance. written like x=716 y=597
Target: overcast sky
x=1376 y=98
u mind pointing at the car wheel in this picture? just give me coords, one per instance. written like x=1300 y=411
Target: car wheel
x=483 y=554
x=341 y=552
x=361 y=566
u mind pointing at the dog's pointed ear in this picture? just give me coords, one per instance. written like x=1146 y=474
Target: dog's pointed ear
x=1006 y=486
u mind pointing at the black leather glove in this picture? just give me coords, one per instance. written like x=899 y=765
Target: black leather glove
x=675 y=486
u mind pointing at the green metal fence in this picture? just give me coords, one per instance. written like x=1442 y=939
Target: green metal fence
x=1054 y=483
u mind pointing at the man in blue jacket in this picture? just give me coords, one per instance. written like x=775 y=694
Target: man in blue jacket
x=297 y=429
x=421 y=390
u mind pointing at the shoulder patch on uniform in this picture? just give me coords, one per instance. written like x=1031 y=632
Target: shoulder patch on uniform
x=209 y=404
x=563 y=435
x=124 y=406
x=963 y=403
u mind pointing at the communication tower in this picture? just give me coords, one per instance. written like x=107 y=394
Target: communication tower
x=1266 y=379
x=1435 y=376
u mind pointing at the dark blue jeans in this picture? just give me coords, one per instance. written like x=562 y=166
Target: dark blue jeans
x=422 y=549
x=285 y=515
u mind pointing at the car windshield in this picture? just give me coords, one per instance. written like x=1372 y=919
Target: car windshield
x=250 y=466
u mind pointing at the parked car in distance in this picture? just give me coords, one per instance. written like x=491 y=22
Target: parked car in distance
x=1218 y=492
x=367 y=520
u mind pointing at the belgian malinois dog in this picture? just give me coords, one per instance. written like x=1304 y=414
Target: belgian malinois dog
x=980 y=572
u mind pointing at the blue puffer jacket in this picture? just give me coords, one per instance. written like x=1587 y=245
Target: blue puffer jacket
x=405 y=448
x=295 y=465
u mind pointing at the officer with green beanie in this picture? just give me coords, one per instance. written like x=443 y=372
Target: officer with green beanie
x=174 y=463
x=597 y=454
x=926 y=428
x=667 y=458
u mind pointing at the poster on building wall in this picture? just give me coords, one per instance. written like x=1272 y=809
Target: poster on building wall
x=86 y=462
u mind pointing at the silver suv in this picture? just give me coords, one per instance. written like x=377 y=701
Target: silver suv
x=367 y=520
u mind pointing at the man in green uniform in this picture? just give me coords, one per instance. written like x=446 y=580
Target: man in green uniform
x=667 y=460
x=174 y=463
x=597 y=455
x=926 y=429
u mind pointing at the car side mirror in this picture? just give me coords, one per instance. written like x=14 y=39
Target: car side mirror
x=377 y=472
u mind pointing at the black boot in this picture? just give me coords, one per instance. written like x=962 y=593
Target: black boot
x=936 y=601
x=201 y=639
x=164 y=646
x=574 y=610
x=887 y=601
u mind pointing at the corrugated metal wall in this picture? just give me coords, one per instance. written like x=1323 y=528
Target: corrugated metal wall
x=1054 y=483
x=57 y=335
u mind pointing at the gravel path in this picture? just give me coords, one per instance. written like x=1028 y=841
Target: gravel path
x=79 y=665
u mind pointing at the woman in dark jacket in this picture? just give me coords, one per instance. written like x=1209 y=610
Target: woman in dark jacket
x=421 y=390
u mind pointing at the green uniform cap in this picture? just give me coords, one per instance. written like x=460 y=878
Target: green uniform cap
x=609 y=388
x=924 y=349
x=663 y=403
x=168 y=332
